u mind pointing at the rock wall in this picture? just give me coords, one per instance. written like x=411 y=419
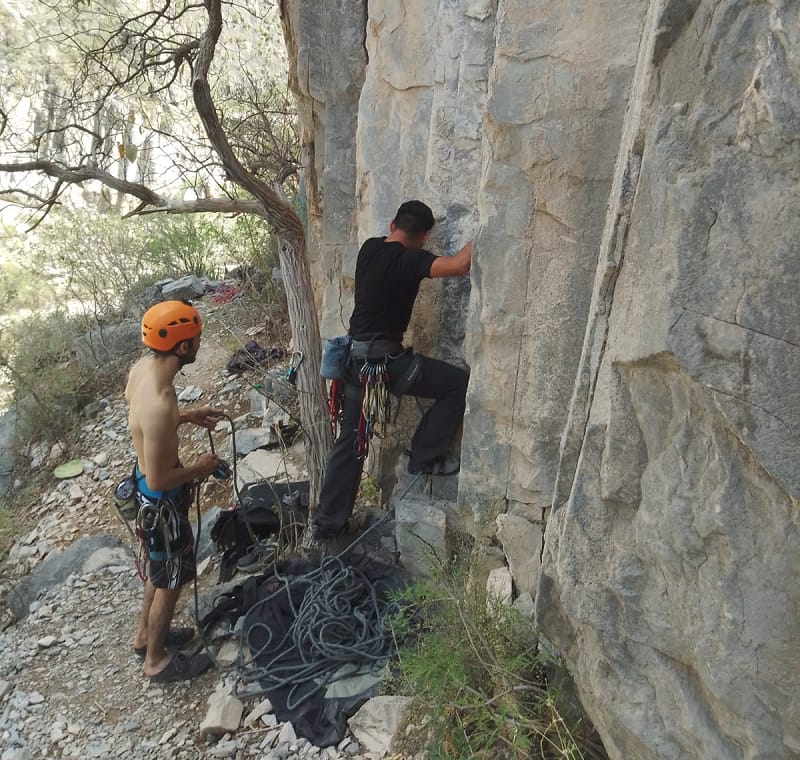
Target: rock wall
x=672 y=551
x=628 y=171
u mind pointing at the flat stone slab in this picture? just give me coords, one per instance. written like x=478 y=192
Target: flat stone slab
x=421 y=533
x=56 y=568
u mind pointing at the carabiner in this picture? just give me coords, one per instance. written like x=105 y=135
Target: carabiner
x=294 y=365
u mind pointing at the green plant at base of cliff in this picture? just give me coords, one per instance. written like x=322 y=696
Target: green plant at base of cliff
x=368 y=491
x=479 y=680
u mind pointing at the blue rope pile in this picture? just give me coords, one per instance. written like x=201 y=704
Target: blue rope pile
x=336 y=615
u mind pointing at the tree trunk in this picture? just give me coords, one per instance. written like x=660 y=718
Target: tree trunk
x=307 y=339
x=292 y=254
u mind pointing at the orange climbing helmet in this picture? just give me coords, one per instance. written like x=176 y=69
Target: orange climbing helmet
x=168 y=323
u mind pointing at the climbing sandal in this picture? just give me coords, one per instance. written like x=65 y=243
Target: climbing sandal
x=176 y=638
x=183 y=667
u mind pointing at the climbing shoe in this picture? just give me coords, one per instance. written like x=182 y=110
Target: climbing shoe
x=441 y=466
x=257 y=557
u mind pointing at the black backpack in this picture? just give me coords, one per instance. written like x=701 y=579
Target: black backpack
x=264 y=509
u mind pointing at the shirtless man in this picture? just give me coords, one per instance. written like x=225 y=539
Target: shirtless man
x=164 y=486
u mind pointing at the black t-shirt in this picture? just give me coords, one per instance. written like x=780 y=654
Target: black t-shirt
x=387 y=282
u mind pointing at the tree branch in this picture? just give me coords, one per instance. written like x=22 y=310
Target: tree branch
x=151 y=202
x=279 y=213
x=204 y=206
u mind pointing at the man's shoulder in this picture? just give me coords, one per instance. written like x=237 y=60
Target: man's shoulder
x=418 y=253
x=372 y=244
x=148 y=396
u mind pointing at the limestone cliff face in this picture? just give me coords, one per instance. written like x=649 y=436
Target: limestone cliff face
x=629 y=173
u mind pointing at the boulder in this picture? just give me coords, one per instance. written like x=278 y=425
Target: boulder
x=522 y=545
x=251 y=439
x=8 y=449
x=183 y=289
x=265 y=465
x=108 y=556
x=228 y=653
x=287 y=734
x=108 y=344
x=421 y=532
x=377 y=724
x=205 y=547
x=38 y=453
x=54 y=570
x=499 y=587
x=262 y=708
x=223 y=716
x=524 y=605
x=190 y=393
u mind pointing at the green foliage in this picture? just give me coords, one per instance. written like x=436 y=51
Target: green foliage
x=251 y=241
x=186 y=245
x=479 y=679
x=49 y=387
x=21 y=288
x=102 y=261
x=368 y=491
x=86 y=271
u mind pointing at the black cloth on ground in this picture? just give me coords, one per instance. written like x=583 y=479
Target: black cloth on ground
x=269 y=601
x=253 y=356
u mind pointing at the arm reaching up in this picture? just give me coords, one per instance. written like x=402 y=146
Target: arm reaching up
x=453 y=266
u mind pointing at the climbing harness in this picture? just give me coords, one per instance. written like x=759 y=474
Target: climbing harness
x=158 y=530
x=375 y=405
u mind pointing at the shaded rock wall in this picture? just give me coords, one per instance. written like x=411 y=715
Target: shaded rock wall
x=628 y=171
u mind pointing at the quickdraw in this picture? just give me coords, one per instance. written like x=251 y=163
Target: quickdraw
x=375 y=405
x=335 y=406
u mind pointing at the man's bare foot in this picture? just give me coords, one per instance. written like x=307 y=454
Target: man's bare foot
x=176 y=638
x=152 y=668
x=183 y=667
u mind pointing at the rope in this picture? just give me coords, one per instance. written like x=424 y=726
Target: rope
x=330 y=627
x=342 y=619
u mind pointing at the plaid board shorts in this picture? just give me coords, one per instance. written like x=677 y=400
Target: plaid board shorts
x=171 y=561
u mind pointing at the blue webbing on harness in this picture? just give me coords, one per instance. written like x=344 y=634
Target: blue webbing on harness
x=141 y=484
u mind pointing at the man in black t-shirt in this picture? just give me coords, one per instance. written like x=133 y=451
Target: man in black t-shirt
x=389 y=271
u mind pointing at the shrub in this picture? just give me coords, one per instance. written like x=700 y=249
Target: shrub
x=49 y=385
x=86 y=273
x=480 y=681
x=101 y=261
x=20 y=288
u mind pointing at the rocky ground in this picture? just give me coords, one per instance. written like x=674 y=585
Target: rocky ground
x=70 y=685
